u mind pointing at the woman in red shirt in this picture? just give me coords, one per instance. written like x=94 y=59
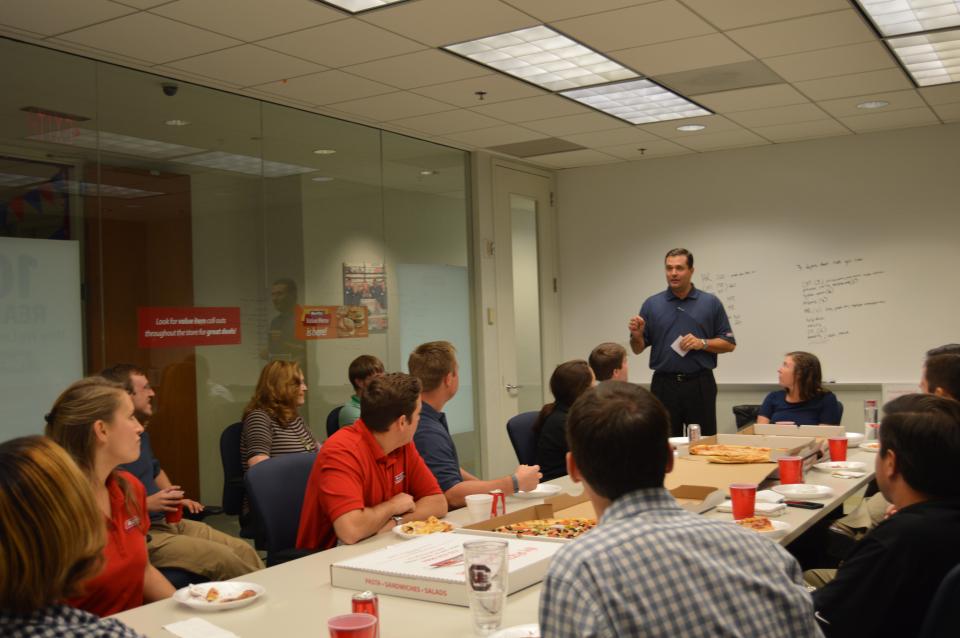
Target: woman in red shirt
x=93 y=421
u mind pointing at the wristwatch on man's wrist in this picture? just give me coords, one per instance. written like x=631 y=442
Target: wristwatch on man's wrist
x=704 y=342
x=397 y=519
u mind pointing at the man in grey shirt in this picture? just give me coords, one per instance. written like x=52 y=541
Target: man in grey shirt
x=651 y=568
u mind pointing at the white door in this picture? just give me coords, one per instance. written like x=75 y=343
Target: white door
x=527 y=292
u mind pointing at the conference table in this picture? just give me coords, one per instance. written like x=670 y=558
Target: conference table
x=299 y=597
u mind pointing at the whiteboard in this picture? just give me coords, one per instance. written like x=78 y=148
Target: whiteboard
x=434 y=301
x=41 y=341
x=847 y=248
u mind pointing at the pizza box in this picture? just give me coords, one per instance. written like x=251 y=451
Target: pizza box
x=431 y=568
x=780 y=429
x=779 y=445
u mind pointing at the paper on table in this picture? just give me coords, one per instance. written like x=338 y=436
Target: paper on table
x=198 y=628
x=769 y=496
x=676 y=347
x=760 y=507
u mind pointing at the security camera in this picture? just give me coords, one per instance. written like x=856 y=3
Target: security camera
x=170 y=89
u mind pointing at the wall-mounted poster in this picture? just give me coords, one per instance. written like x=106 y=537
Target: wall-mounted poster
x=366 y=285
x=331 y=322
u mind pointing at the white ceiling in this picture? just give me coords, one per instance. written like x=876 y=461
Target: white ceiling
x=773 y=71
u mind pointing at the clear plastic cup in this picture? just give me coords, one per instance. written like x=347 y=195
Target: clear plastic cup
x=485 y=563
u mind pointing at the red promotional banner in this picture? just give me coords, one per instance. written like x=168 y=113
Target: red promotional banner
x=178 y=327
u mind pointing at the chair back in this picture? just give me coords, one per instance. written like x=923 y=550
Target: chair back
x=520 y=430
x=333 y=421
x=840 y=406
x=746 y=414
x=943 y=615
x=233 y=491
x=276 y=488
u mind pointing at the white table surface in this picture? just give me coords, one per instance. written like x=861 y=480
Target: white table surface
x=300 y=598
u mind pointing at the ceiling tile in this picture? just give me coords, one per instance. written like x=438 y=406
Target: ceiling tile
x=48 y=17
x=779 y=115
x=573 y=159
x=648 y=23
x=804 y=34
x=20 y=34
x=714 y=124
x=391 y=106
x=948 y=112
x=731 y=14
x=148 y=37
x=498 y=88
x=752 y=98
x=943 y=94
x=682 y=55
x=341 y=43
x=246 y=65
x=857 y=84
x=646 y=150
x=725 y=77
x=533 y=108
x=496 y=136
x=845 y=60
x=422 y=68
x=894 y=119
x=725 y=139
x=454 y=121
x=249 y=20
x=550 y=10
x=802 y=130
x=141 y=4
x=272 y=97
x=610 y=137
x=569 y=124
x=440 y=22
x=846 y=107
x=326 y=88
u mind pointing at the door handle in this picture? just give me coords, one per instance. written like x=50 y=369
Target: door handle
x=510 y=387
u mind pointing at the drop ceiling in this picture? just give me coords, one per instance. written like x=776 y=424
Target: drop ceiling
x=771 y=71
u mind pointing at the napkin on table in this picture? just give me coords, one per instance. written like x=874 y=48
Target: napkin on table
x=198 y=628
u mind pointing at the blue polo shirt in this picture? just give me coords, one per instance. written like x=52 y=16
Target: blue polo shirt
x=146 y=468
x=668 y=317
x=435 y=445
x=821 y=409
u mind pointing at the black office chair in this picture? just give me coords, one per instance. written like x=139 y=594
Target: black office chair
x=333 y=421
x=233 y=491
x=520 y=430
x=840 y=405
x=180 y=578
x=276 y=488
x=745 y=414
x=943 y=615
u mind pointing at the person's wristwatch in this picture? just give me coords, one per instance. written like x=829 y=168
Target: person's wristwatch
x=516 y=483
x=704 y=342
x=397 y=519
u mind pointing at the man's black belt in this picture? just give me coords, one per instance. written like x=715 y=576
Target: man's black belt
x=680 y=377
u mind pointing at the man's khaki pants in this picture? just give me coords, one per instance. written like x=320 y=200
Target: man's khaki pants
x=198 y=548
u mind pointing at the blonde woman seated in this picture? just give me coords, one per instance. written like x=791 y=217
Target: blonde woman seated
x=93 y=421
x=271 y=423
x=51 y=539
x=803 y=399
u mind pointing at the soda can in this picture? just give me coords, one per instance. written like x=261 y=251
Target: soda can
x=499 y=502
x=367 y=603
x=693 y=431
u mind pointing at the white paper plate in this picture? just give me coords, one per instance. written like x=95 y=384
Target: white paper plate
x=226 y=589
x=780 y=528
x=832 y=466
x=803 y=490
x=519 y=631
x=854 y=439
x=870 y=446
x=679 y=440
x=543 y=490
x=398 y=530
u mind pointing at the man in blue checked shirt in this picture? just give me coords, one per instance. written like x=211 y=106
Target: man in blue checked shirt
x=651 y=568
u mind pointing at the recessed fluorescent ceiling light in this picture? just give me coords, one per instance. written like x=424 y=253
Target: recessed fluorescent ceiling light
x=244 y=164
x=690 y=128
x=637 y=102
x=543 y=57
x=321 y=178
x=176 y=122
x=356 y=6
x=91 y=189
x=115 y=143
x=873 y=104
x=325 y=151
x=932 y=58
x=899 y=17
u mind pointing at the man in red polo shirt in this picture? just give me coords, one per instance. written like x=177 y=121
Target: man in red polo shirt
x=369 y=477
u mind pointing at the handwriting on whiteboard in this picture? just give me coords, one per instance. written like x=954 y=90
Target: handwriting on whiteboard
x=724 y=285
x=833 y=302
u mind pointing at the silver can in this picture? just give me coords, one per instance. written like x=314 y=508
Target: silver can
x=693 y=431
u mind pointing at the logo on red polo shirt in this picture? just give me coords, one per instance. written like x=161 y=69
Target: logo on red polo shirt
x=130 y=523
x=399 y=477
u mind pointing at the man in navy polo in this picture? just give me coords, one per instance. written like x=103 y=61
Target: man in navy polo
x=686 y=329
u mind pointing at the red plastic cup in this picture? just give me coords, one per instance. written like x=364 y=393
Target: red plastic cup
x=175 y=516
x=838 y=448
x=791 y=469
x=352 y=626
x=743 y=497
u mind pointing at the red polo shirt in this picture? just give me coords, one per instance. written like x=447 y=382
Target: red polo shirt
x=352 y=472
x=119 y=586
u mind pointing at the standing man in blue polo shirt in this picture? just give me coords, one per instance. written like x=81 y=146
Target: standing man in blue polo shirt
x=686 y=329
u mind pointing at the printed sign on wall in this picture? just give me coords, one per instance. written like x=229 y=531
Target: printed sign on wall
x=178 y=327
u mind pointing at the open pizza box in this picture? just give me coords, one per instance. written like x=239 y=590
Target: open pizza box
x=779 y=445
x=695 y=498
